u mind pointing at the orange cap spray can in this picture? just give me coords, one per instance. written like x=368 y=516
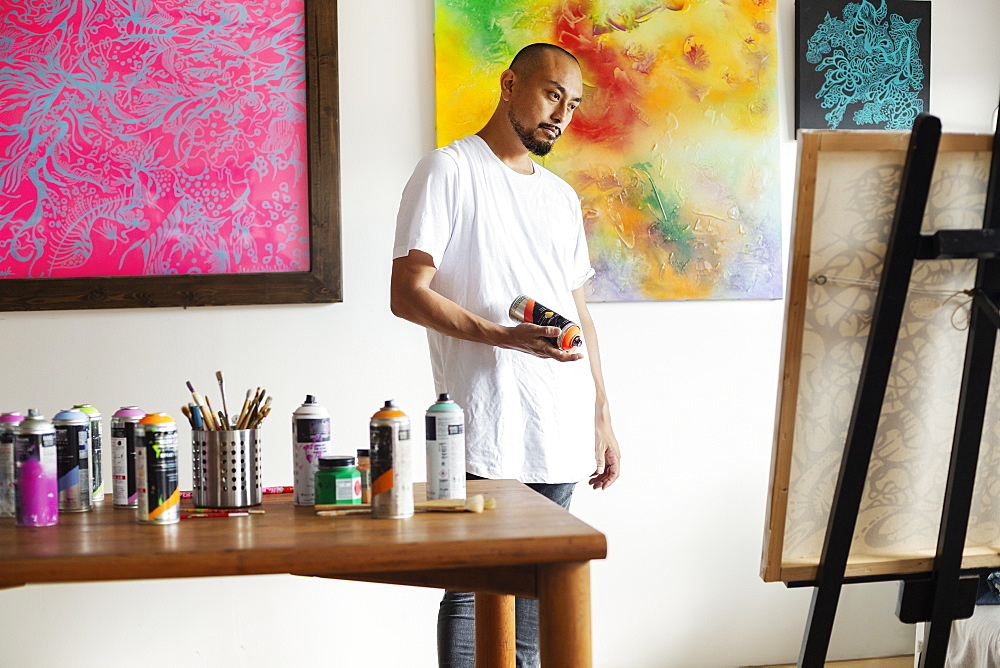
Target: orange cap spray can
x=392 y=463
x=156 y=470
x=526 y=309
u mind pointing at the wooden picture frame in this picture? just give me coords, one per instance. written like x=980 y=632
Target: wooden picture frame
x=322 y=283
x=848 y=183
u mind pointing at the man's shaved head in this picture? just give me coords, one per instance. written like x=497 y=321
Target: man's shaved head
x=531 y=57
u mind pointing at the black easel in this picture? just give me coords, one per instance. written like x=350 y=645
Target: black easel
x=943 y=594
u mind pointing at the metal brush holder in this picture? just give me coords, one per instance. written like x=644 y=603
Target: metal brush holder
x=226 y=468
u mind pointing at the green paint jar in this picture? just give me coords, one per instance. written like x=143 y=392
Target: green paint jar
x=338 y=480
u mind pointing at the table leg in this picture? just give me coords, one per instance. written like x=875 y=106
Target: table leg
x=564 y=615
x=496 y=637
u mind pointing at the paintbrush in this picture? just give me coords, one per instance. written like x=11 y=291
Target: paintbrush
x=476 y=503
x=208 y=403
x=252 y=409
x=187 y=414
x=264 y=412
x=199 y=401
x=222 y=391
x=243 y=411
x=255 y=406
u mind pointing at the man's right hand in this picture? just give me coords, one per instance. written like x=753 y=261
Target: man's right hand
x=530 y=338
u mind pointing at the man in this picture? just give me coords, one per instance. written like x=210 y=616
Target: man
x=479 y=224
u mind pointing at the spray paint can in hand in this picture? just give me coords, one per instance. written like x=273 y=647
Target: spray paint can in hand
x=311 y=441
x=392 y=463
x=445 y=434
x=7 y=423
x=36 y=500
x=96 y=451
x=156 y=470
x=73 y=452
x=123 y=425
x=525 y=309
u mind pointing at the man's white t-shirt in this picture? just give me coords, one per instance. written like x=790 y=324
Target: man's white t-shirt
x=495 y=234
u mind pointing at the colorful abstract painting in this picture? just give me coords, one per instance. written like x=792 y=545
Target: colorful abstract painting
x=674 y=149
x=152 y=138
x=862 y=65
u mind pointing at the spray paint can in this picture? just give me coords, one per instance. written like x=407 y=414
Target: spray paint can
x=156 y=470
x=73 y=456
x=392 y=463
x=7 y=423
x=123 y=425
x=445 y=434
x=36 y=499
x=525 y=309
x=96 y=451
x=311 y=433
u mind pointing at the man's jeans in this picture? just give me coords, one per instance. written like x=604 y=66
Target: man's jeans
x=456 y=616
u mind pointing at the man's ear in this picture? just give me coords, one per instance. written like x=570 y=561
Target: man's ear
x=507 y=80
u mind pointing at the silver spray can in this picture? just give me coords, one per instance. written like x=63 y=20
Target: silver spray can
x=392 y=463
x=73 y=453
x=96 y=451
x=311 y=440
x=123 y=424
x=7 y=423
x=445 y=434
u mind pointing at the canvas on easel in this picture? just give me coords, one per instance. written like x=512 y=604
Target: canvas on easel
x=847 y=188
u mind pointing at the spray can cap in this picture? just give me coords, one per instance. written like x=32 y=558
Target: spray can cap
x=389 y=411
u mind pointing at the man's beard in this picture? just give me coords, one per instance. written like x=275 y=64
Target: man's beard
x=539 y=147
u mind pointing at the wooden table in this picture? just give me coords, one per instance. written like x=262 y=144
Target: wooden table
x=527 y=547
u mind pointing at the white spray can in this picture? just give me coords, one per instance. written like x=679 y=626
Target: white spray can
x=310 y=441
x=445 y=433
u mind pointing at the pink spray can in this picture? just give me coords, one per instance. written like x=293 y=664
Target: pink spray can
x=36 y=500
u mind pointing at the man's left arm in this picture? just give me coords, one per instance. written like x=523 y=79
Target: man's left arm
x=606 y=453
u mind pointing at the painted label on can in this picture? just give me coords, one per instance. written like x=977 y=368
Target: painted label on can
x=7 y=486
x=37 y=491
x=123 y=425
x=73 y=465
x=311 y=441
x=6 y=473
x=156 y=474
x=392 y=468
x=445 y=434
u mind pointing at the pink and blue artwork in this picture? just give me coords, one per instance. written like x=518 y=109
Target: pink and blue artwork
x=142 y=138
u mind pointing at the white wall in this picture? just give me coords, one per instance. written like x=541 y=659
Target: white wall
x=684 y=524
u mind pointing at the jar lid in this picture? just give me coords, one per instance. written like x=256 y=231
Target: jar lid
x=336 y=462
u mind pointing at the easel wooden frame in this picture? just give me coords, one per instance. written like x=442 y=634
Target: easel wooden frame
x=943 y=595
x=812 y=147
